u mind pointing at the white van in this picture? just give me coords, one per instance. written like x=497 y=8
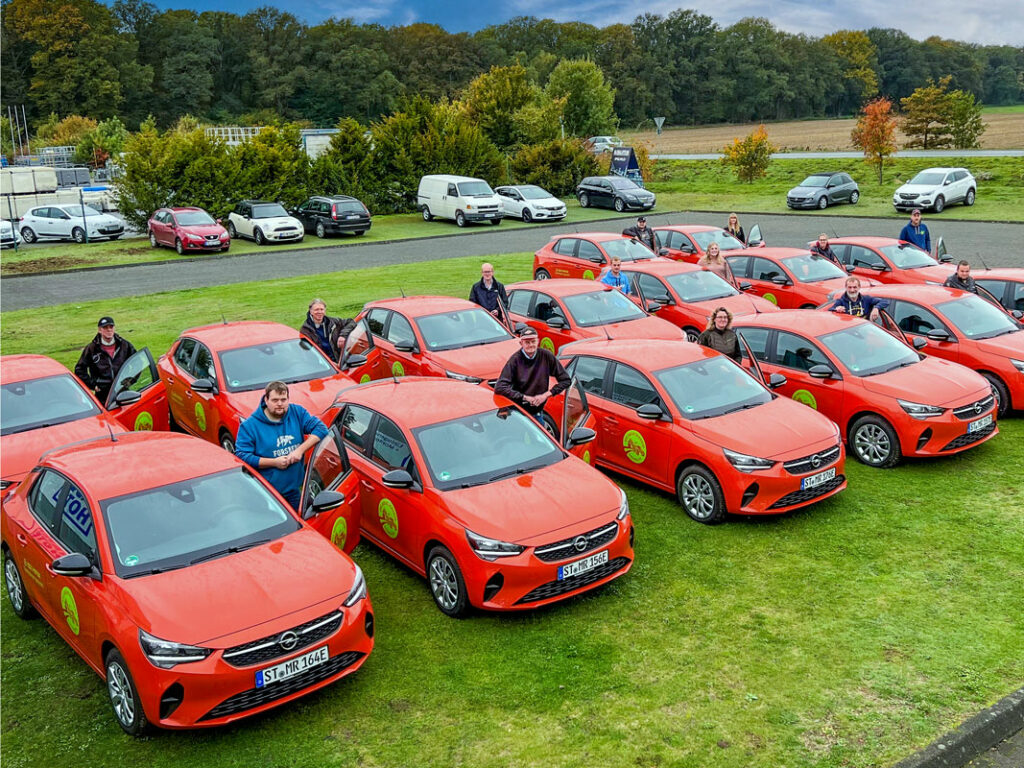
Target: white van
x=458 y=197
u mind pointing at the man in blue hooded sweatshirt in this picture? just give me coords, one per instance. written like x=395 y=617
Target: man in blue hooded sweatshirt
x=274 y=439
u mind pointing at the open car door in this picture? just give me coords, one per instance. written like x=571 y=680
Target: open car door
x=576 y=428
x=330 y=493
x=754 y=238
x=360 y=357
x=886 y=322
x=749 y=363
x=138 y=398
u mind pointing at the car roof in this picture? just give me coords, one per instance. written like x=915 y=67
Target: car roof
x=774 y=253
x=183 y=209
x=240 y=333
x=337 y=198
x=569 y=286
x=154 y=459
x=1002 y=273
x=807 y=322
x=944 y=169
x=928 y=294
x=259 y=202
x=25 y=367
x=418 y=306
x=648 y=354
x=687 y=228
x=662 y=267
x=415 y=401
x=597 y=237
x=450 y=178
x=869 y=241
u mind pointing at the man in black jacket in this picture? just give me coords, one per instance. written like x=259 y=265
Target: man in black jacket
x=642 y=233
x=328 y=333
x=526 y=377
x=822 y=248
x=962 y=278
x=488 y=292
x=102 y=358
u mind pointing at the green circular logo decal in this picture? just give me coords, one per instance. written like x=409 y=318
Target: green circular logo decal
x=200 y=417
x=586 y=456
x=388 y=517
x=771 y=297
x=365 y=378
x=805 y=397
x=635 y=445
x=144 y=422
x=548 y=344
x=339 y=533
x=397 y=369
x=70 y=608
x=588 y=275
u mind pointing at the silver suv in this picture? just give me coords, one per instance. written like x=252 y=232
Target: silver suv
x=936 y=188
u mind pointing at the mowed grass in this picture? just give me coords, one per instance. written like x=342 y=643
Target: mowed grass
x=848 y=634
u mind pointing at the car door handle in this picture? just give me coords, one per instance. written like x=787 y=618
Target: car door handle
x=22 y=539
x=610 y=420
x=366 y=485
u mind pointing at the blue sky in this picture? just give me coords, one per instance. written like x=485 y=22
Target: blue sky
x=989 y=22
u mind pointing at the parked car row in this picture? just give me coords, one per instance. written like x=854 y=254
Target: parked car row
x=932 y=188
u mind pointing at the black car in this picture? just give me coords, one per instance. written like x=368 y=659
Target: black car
x=324 y=215
x=615 y=192
x=820 y=190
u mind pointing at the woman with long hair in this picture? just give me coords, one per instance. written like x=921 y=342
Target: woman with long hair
x=735 y=229
x=714 y=261
x=720 y=336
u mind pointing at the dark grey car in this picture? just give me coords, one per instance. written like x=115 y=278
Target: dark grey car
x=820 y=190
x=615 y=192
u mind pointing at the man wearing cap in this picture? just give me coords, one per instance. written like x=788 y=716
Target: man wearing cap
x=641 y=233
x=526 y=377
x=102 y=358
x=917 y=233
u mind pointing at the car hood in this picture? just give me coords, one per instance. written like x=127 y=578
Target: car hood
x=920 y=189
x=484 y=361
x=785 y=429
x=102 y=220
x=316 y=396
x=254 y=592
x=639 y=192
x=277 y=221
x=805 y=191
x=739 y=305
x=930 y=382
x=204 y=229
x=641 y=328
x=936 y=273
x=21 y=451
x=833 y=284
x=1008 y=345
x=558 y=501
x=6 y=227
x=547 y=202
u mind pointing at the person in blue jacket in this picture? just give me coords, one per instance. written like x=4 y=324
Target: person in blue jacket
x=614 y=276
x=274 y=439
x=858 y=304
x=917 y=233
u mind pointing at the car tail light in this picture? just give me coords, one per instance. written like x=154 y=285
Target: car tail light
x=334 y=212
x=366 y=210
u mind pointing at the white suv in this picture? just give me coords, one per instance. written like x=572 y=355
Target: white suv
x=264 y=222
x=936 y=188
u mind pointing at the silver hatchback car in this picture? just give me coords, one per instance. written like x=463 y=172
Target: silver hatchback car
x=936 y=188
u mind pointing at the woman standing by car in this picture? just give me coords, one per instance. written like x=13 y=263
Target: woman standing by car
x=715 y=262
x=720 y=336
x=735 y=229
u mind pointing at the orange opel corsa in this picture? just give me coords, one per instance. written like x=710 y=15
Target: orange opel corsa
x=888 y=260
x=689 y=242
x=586 y=255
x=792 y=278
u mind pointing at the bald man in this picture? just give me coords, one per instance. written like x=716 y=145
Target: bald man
x=488 y=292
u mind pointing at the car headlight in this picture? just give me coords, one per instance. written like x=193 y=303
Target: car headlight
x=1018 y=364
x=745 y=463
x=623 y=506
x=165 y=654
x=489 y=549
x=462 y=377
x=358 y=591
x=921 y=411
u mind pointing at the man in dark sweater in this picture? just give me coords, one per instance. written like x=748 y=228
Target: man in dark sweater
x=488 y=292
x=328 y=333
x=102 y=358
x=526 y=377
x=962 y=278
x=642 y=233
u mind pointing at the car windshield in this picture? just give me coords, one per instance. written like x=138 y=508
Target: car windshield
x=866 y=350
x=711 y=387
x=977 y=318
x=533 y=193
x=811 y=268
x=627 y=250
x=601 y=308
x=465 y=328
x=928 y=178
x=726 y=242
x=289 y=361
x=700 y=285
x=193 y=218
x=816 y=180
x=620 y=182
x=75 y=211
x=475 y=189
x=27 y=405
x=907 y=256
x=268 y=211
x=177 y=524
x=485 y=447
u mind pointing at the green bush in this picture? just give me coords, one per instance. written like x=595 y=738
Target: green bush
x=557 y=166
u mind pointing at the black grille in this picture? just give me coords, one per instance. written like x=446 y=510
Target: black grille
x=110 y=230
x=268 y=648
x=970 y=437
x=285 y=229
x=565 y=549
x=555 y=588
x=256 y=697
x=808 y=494
x=974 y=410
x=908 y=195
x=804 y=465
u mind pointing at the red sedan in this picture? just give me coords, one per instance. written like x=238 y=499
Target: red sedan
x=791 y=278
x=187 y=230
x=889 y=260
x=689 y=242
x=187 y=583
x=586 y=254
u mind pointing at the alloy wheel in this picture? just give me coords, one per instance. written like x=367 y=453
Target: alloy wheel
x=15 y=589
x=444 y=583
x=872 y=444
x=698 y=496
x=120 y=691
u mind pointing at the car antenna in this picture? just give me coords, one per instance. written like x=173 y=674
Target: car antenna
x=401 y=290
x=113 y=438
x=978 y=254
x=832 y=224
x=223 y=319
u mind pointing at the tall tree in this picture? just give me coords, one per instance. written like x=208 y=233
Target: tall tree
x=590 y=101
x=492 y=99
x=860 y=62
x=926 y=116
x=875 y=133
x=275 y=42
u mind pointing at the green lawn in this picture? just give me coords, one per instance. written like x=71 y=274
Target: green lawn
x=848 y=634
x=1010 y=109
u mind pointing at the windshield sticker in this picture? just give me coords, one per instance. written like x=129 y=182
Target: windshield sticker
x=200 y=417
x=144 y=422
x=131 y=560
x=339 y=532
x=445 y=475
x=235 y=382
x=635 y=446
x=805 y=397
x=70 y=609
x=388 y=517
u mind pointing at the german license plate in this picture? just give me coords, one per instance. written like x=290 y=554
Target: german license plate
x=976 y=426
x=582 y=566
x=283 y=671
x=489 y=215
x=352 y=216
x=813 y=481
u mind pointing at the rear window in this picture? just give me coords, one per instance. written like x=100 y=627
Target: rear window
x=349 y=206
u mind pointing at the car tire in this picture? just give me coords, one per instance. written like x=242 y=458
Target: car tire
x=700 y=495
x=874 y=442
x=823 y=202
x=1001 y=393
x=78 y=235
x=28 y=235
x=584 y=200
x=692 y=334
x=225 y=249
x=460 y=219
x=232 y=232
x=227 y=442
x=16 y=594
x=360 y=233
x=152 y=240
x=620 y=204
x=179 y=247
x=495 y=222
x=446 y=583
x=124 y=696
x=969 y=200
x=258 y=236
x=808 y=306
x=854 y=197
x=940 y=204
x=527 y=216
x=541 y=274
x=320 y=231
x=427 y=215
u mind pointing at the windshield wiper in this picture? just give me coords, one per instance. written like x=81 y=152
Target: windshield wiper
x=893 y=367
x=151 y=571
x=744 y=407
x=229 y=550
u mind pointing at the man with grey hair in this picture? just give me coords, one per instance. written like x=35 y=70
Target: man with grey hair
x=488 y=291
x=328 y=333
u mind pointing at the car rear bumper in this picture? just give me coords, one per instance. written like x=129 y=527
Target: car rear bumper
x=351 y=225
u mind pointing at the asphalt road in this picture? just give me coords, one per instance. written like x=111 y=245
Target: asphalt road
x=859 y=155
x=1006 y=754
x=999 y=244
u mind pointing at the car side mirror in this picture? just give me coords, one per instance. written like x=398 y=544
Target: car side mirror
x=781 y=280
x=663 y=251
x=849 y=268
x=650 y=411
x=879 y=267
x=946 y=183
x=776 y=380
x=653 y=306
x=405 y=346
x=820 y=372
x=204 y=385
x=944 y=259
x=353 y=361
x=520 y=327
x=919 y=343
x=596 y=259
x=74 y=564
x=664 y=299
x=937 y=334
x=1017 y=314
x=128 y=397
x=324 y=501
x=745 y=286
x=686 y=248
x=556 y=322
x=397 y=478
x=581 y=436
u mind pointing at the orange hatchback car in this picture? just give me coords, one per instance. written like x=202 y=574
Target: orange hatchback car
x=586 y=254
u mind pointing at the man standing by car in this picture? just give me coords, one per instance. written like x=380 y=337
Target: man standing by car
x=614 y=276
x=526 y=377
x=917 y=233
x=274 y=439
x=962 y=278
x=858 y=304
x=102 y=358
x=488 y=291
x=822 y=248
x=641 y=233
x=328 y=333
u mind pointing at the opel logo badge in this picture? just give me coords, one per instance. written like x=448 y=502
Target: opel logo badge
x=579 y=543
x=288 y=640
x=977 y=407
x=815 y=461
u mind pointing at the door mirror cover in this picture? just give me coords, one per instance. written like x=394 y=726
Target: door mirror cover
x=397 y=478
x=581 y=436
x=353 y=361
x=653 y=306
x=919 y=343
x=849 y=268
x=324 y=502
x=556 y=322
x=937 y=334
x=745 y=286
x=777 y=380
x=128 y=397
x=73 y=564
x=820 y=372
x=781 y=280
x=406 y=347
x=650 y=411
x=204 y=385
